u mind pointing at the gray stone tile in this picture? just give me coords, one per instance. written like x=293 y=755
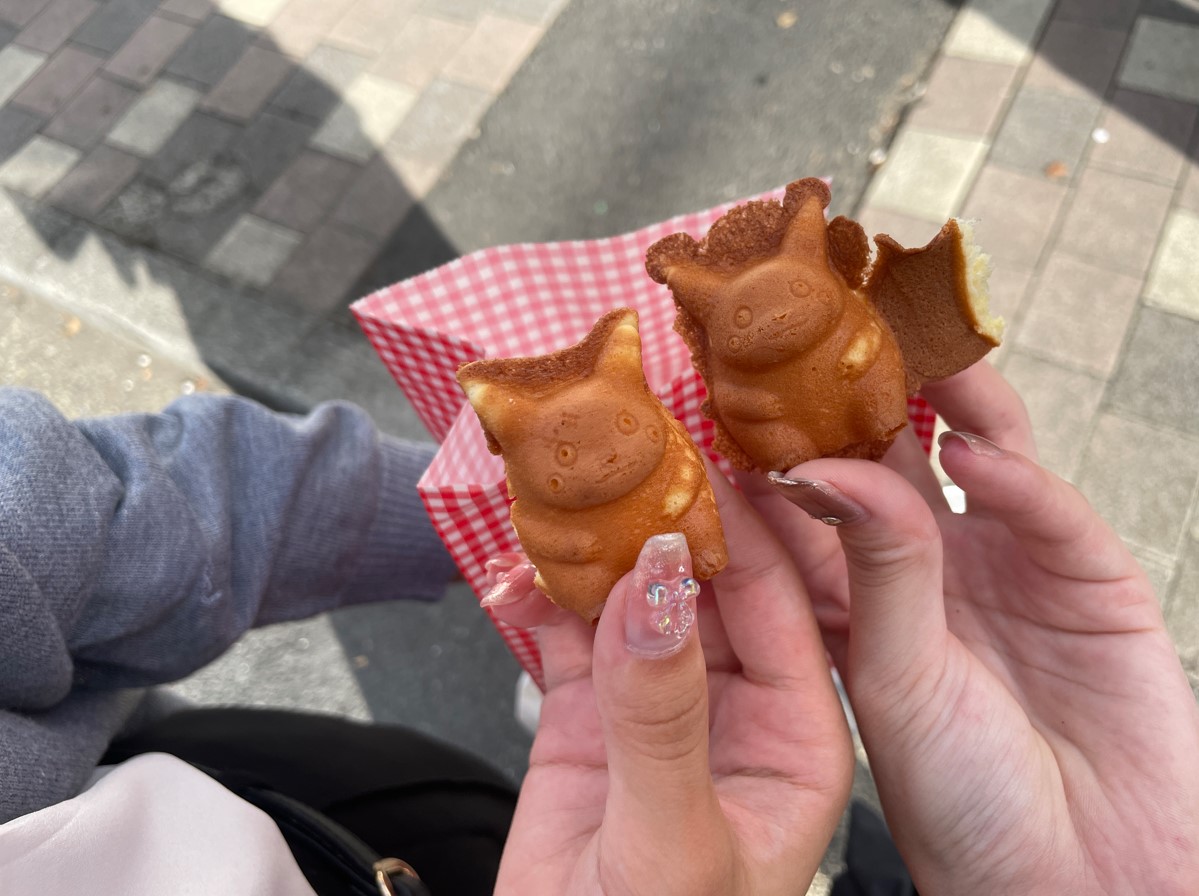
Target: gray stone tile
x=38 y=166
x=17 y=126
x=209 y=54
x=1076 y=59
x=1172 y=10
x=114 y=23
x=253 y=251
x=904 y=229
x=1182 y=613
x=7 y=33
x=268 y=146
x=188 y=10
x=17 y=66
x=314 y=90
x=303 y=195
x=95 y=181
x=1061 y=402
x=1188 y=196
x=1162 y=59
x=1078 y=314
x=318 y=276
x=1158 y=379
x=370 y=110
x=996 y=30
x=444 y=118
x=1146 y=136
x=1116 y=14
x=542 y=12
x=91 y=114
x=926 y=175
x=376 y=202
x=420 y=50
x=301 y=24
x=492 y=53
x=147 y=126
x=243 y=92
x=1015 y=214
x=368 y=25
x=1115 y=220
x=52 y=26
x=462 y=10
x=20 y=13
x=255 y=13
x=200 y=138
x=1009 y=289
x=964 y=96
x=47 y=92
x=1172 y=283
x=1159 y=569
x=1141 y=478
x=1043 y=128
x=143 y=56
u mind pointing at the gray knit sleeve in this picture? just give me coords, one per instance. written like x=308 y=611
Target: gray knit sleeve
x=135 y=549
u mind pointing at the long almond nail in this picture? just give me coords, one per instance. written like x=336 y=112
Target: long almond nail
x=819 y=500
x=660 y=610
x=512 y=580
x=977 y=444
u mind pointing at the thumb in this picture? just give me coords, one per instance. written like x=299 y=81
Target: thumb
x=651 y=689
x=892 y=546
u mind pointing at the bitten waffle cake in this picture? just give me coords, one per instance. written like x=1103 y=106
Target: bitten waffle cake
x=807 y=347
x=595 y=463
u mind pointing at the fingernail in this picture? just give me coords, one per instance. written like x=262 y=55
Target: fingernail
x=660 y=612
x=819 y=500
x=512 y=581
x=977 y=444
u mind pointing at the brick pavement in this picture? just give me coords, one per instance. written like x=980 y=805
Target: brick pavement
x=1069 y=132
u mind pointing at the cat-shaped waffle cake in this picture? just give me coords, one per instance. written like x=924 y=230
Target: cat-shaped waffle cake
x=594 y=461
x=805 y=348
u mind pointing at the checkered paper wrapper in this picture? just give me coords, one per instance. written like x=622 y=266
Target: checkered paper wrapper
x=526 y=300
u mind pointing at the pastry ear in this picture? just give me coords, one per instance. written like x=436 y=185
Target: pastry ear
x=620 y=353
x=496 y=405
x=807 y=233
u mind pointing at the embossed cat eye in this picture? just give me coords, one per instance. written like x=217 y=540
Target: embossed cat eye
x=626 y=423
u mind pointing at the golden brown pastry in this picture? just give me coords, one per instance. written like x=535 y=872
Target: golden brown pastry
x=594 y=461
x=807 y=350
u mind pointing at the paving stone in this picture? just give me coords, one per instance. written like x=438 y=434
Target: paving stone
x=52 y=26
x=1173 y=285
x=1140 y=478
x=91 y=114
x=318 y=276
x=369 y=112
x=376 y=201
x=257 y=13
x=445 y=117
x=209 y=54
x=184 y=222
x=95 y=181
x=1182 y=613
x=147 y=126
x=17 y=66
x=996 y=30
x=1147 y=136
x=268 y=146
x=20 y=13
x=315 y=88
x=1172 y=10
x=1116 y=14
x=243 y=92
x=927 y=174
x=113 y=24
x=420 y=50
x=7 y=33
x=417 y=177
x=48 y=91
x=200 y=138
x=1015 y=214
x=906 y=230
x=1061 y=402
x=493 y=52
x=1162 y=58
x=1158 y=378
x=540 y=11
x=1045 y=127
x=301 y=24
x=1188 y=196
x=253 y=250
x=17 y=125
x=964 y=96
x=1076 y=59
x=143 y=56
x=303 y=195
x=1115 y=220
x=1158 y=568
x=468 y=11
x=1009 y=288
x=368 y=25
x=188 y=10
x=37 y=167
x=1078 y=314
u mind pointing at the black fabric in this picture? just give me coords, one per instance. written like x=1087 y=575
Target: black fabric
x=873 y=866
x=403 y=793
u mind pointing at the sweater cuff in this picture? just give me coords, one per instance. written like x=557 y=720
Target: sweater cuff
x=403 y=557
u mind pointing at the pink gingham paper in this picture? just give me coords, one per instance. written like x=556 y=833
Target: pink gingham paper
x=515 y=300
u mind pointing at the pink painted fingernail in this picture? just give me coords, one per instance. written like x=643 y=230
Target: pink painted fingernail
x=660 y=611
x=977 y=444
x=819 y=500
x=511 y=576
